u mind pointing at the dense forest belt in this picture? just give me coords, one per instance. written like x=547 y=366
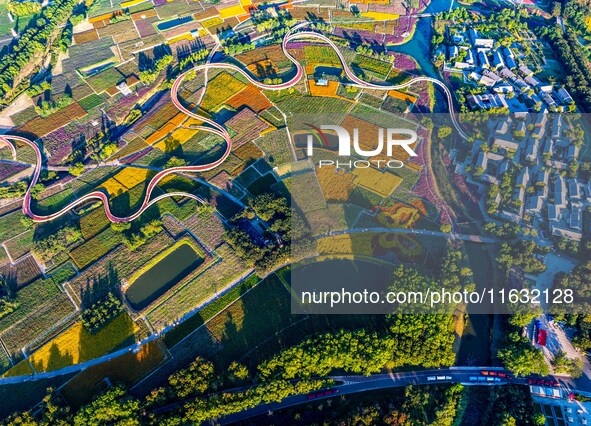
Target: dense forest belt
x=211 y=127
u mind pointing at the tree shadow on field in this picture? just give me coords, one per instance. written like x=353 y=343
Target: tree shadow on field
x=106 y=340
x=55 y=360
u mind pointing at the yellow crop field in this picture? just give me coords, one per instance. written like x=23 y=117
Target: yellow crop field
x=132 y=176
x=329 y=90
x=398 y=215
x=382 y=183
x=380 y=16
x=126 y=179
x=245 y=2
x=21 y=369
x=77 y=345
x=232 y=11
x=161 y=133
x=402 y=96
x=219 y=90
x=130 y=3
x=180 y=136
x=182 y=37
x=212 y=22
x=358 y=244
x=335 y=186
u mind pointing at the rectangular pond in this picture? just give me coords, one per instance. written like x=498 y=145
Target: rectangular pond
x=162 y=276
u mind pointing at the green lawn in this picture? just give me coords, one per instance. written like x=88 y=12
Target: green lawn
x=5 y=24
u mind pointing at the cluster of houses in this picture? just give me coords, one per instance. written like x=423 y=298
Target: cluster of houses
x=485 y=63
x=536 y=151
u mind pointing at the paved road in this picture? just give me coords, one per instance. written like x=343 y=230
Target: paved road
x=452 y=235
x=356 y=384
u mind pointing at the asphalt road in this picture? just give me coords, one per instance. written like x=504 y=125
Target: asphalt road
x=356 y=384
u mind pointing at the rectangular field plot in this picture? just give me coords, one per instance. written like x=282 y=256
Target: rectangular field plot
x=41 y=306
x=178 y=333
x=19 y=245
x=95 y=248
x=11 y=225
x=226 y=270
x=207 y=227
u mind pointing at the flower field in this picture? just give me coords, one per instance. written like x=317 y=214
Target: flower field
x=11 y=225
x=380 y=68
x=37 y=324
x=24 y=271
x=306 y=191
x=232 y=11
x=247 y=127
x=41 y=305
x=10 y=169
x=19 y=245
x=212 y=22
x=276 y=147
x=93 y=222
x=95 y=248
x=357 y=244
x=250 y=96
x=207 y=227
x=127 y=178
x=222 y=87
x=263 y=68
x=381 y=183
x=335 y=186
x=318 y=54
x=43 y=126
x=248 y=153
x=329 y=90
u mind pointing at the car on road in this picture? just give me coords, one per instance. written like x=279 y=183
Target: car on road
x=321 y=394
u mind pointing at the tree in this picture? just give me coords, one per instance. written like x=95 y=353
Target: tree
x=76 y=169
x=562 y=364
x=193 y=380
x=115 y=406
x=120 y=226
x=556 y=9
x=446 y=227
x=443 y=132
x=522 y=358
x=37 y=190
x=238 y=372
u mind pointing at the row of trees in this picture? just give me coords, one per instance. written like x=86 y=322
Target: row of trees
x=572 y=57
x=32 y=43
x=17 y=8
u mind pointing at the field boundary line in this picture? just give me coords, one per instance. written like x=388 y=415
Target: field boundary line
x=56 y=325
